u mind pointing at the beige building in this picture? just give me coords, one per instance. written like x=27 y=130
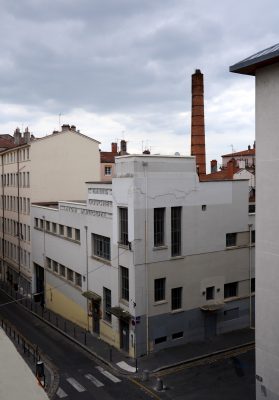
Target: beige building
x=51 y=168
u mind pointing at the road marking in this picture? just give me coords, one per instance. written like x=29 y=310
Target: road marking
x=76 y=385
x=60 y=393
x=94 y=380
x=108 y=375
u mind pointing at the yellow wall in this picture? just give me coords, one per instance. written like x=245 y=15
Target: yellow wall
x=64 y=306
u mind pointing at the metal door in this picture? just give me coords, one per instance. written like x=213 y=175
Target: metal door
x=124 y=336
x=96 y=317
x=210 y=325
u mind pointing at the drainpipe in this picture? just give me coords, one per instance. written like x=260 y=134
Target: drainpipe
x=250 y=274
x=18 y=219
x=3 y=217
x=145 y=164
x=86 y=263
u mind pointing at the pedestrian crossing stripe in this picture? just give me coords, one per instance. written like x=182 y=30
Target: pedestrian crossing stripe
x=94 y=380
x=76 y=384
x=108 y=375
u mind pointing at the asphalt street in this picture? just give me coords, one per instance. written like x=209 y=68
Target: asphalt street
x=231 y=379
x=81 y=376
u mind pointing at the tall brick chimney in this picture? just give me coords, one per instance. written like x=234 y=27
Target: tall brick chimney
x=197 y=126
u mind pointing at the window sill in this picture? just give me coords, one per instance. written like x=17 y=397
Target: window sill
x=102 y=260
x=177 y=258
x=156 y=248
x=179 y=310
x=57 y=235
x=123 y=246
x=159 y=303
x=124 y=302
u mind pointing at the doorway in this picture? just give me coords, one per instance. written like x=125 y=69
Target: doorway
x=96 y=317
x=210 y=327
x=124 y=335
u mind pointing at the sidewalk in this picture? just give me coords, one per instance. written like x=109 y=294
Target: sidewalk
x=111 y=356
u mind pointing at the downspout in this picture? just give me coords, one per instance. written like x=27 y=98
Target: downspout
x=3 y=217
x=86 y=264
x=250 y=275
x=145 y=164
x=18 y=219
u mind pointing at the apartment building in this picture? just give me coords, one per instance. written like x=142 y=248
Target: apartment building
x=154 y=259
x=265 y=67
x=43 y=169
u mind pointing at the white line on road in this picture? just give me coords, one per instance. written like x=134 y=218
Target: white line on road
x=94 y=380
x=108 y=375
x=76 y=385
x=61 y=394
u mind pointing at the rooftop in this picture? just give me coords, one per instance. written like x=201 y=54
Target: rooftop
x=249 y=65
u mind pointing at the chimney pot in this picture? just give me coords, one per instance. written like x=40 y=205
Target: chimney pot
x=114 y=148
x=26 y=135
x=123 y=147
x=249 y=147
x=65 y=127
x=213 y=165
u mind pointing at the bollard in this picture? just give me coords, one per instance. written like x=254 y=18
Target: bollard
x=145 y=376
x=74 y=331
x=49 y=315
x=85 y=338
x=65 y=326
x=159 y=385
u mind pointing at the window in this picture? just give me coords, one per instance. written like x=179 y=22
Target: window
x=123 y=224
x=107 y=170
x=101 y=246
x=124 y=283
x=176 y=298
x=61 y=229
x=77 y=235
x=253 y=285
x=47 y=225
x=177 y=335
x=230 y=239
x=55 y=266
x=70 y=275
x=41 y=223
x=252 y=208
x=69 y=232
x=159 y=289
x=78 y=279
x=36 y=222
x=160 y=340
x=230 y=289
x=48 y=262
x=175 y=231
x=62 y=270
x=107 y=304
x=253 y=237
x=159 y=227
x=54 y=227
x=204 y=207
x=210 y=293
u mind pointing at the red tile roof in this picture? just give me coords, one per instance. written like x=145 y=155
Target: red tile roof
x=250 y=152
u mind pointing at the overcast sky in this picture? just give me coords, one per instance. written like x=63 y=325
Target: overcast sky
x=122 y=68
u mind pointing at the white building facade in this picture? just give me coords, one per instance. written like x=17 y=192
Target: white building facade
x=265 y=67
x=154 y=259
